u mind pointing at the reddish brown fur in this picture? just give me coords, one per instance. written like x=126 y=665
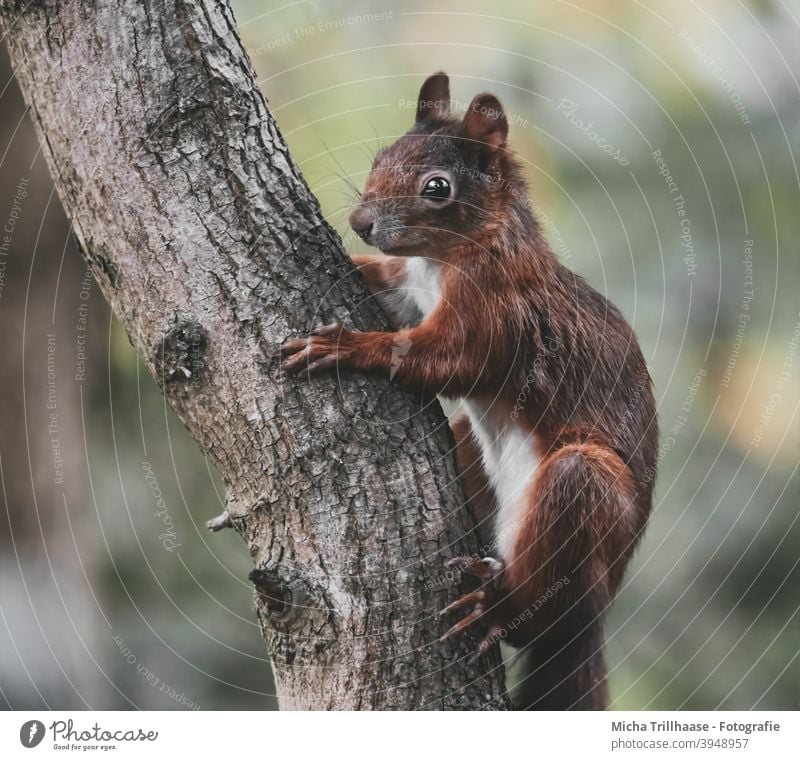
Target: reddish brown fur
x=470 y=465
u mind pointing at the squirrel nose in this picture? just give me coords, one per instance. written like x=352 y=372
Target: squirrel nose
x=361 y=222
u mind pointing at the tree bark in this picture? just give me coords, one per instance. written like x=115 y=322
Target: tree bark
x=211 y=249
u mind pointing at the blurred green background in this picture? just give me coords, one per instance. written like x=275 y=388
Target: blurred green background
x=112 y=598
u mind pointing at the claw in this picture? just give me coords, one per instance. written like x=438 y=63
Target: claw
x=475 y=597
x=485 y=569
x=326 y=362
x=321 y=351
x=476 y=614
x=288 y=347
x=483 y=601
x=462 y=560
x=296 y=361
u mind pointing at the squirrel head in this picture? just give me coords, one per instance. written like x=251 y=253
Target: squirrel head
x=445 y=183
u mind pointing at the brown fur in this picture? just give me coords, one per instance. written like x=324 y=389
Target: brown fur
x=476 y=485
x=515 y=326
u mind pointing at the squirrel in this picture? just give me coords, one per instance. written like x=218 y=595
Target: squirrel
x=558 y=435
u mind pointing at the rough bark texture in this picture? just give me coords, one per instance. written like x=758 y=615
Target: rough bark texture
x=205 y=239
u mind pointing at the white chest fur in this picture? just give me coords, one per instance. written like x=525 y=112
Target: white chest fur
x=422 y=283
x=510 y=462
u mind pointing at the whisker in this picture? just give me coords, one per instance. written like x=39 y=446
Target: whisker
x=374 y=132
x=344 y=176
x=366 y=152
x=349 y=188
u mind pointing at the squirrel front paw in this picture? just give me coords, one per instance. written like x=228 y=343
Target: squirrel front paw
x=484 y=604
x=327 y=347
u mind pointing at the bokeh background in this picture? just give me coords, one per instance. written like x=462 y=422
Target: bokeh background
x=661 y=142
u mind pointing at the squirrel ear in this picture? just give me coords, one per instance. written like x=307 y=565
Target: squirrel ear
x=485 y=121
x=434 y=98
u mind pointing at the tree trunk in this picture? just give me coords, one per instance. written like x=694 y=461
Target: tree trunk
x=207 y=242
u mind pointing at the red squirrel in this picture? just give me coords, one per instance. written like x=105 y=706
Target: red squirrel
x=558 y=435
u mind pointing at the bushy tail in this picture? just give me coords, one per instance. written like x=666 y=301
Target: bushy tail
x=562 y=675
x=572 y=549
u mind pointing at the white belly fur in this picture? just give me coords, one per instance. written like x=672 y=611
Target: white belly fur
x=510 y=462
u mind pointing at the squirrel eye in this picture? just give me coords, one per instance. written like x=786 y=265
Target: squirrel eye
x=436 y=188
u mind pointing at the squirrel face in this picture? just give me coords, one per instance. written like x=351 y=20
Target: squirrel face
x=438 y=185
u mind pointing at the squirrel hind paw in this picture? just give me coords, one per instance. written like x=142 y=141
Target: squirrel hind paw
x=483 y=605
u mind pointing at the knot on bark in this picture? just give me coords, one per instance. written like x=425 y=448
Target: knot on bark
x=296 y=616
x=179 y=355
x=275 y=594
x=287 y=600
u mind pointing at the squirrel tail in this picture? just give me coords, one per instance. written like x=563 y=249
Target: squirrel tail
x=583 y=525
x=561 y=674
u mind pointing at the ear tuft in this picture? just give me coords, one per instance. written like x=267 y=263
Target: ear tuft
x=485 y=121
x=434 y=98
